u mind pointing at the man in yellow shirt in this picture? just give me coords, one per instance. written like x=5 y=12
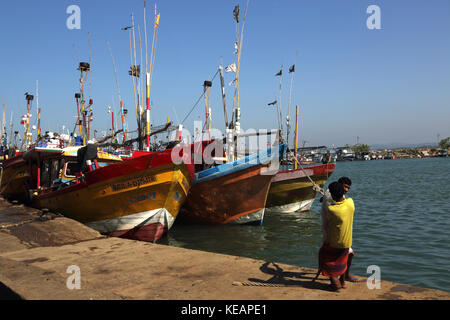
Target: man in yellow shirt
x=333 y=256
x=326 y=201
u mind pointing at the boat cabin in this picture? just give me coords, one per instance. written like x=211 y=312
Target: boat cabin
x=55 y=168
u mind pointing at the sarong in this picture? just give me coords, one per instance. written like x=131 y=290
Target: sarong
x=332 y=261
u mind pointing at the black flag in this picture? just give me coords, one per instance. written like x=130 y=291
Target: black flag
x=273 y=103
x=279 y=73
x=236 y=13
x=292 y=68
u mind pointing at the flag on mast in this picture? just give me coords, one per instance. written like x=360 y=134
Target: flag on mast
x=279 y=73
x=236 y=13
x=157 y=21
x=231 y=68
x=292 y=68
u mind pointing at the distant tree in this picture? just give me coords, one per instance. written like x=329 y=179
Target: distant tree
x=360 y=149
x=445 y=143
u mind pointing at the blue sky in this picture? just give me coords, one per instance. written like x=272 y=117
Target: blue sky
x=383 y=86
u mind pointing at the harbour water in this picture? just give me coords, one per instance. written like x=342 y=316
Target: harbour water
x=401 y=225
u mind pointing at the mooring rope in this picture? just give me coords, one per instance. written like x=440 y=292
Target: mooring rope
x=316 y=187
x=260 y=284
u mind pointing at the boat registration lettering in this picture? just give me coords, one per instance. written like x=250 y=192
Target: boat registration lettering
x=133 y=183
x=143 y=197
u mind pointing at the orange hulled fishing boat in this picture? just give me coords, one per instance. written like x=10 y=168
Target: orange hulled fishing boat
x=138 y=198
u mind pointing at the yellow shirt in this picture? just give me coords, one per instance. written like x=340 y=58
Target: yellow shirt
x=340 y=224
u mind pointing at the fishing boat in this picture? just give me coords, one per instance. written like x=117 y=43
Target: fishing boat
x=234 y=192
x=136 y=199
x=14 y=171
x=230 y=193
x=13 y=176
x=295 y=190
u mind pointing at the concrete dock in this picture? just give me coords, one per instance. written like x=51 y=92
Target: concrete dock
x=45 y=257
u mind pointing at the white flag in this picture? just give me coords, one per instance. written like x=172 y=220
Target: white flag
x=231 y=68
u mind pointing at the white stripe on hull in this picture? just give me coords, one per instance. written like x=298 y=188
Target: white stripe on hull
x=132 y=221
x=254 y=217
x=293 y=207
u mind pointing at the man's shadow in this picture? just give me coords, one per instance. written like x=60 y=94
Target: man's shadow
x=295 y=279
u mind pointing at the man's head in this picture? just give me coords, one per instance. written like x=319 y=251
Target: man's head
x=337 y=191
x=346 y=182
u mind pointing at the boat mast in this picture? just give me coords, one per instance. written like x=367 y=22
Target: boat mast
x=133 y=72
x=84 y=68
x=28 y=132
x=11 y=130
x=38 y=109
x=296 y=138
x=149 y=73
x=118 y=92
x=236 y=109
x=90 y=86
x=147 y=81
x=222 y=85
x=3 y=129
x=137 y=74
x=279 y=102
x=288 y=117
x=141 y=72
x=206 y=91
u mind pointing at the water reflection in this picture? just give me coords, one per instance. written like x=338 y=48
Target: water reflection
x=286 y=238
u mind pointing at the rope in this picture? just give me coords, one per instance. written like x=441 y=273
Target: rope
x=258 y=284
x=316 y=187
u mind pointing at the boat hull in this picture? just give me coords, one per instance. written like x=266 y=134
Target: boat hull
x=153 y=224
x=292 y=191
x=234 y=198
x=14 y=175
x=137 y=199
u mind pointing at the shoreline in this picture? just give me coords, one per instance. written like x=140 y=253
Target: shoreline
x=37 y=250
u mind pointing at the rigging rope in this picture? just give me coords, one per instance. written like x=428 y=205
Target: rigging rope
x=201 y=96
